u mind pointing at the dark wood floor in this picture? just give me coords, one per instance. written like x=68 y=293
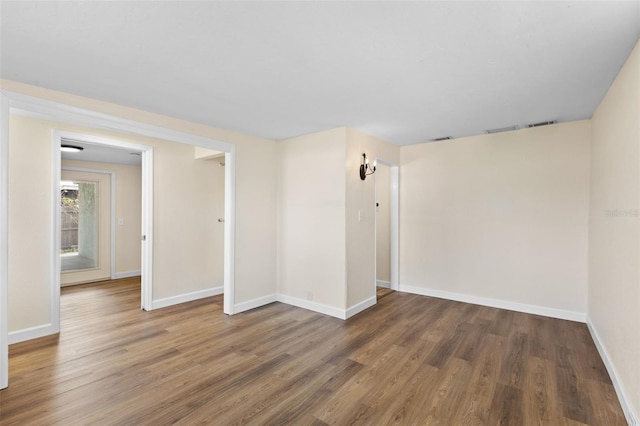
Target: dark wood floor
x=408 y=360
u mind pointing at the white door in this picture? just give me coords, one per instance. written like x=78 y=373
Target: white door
x=85 y=218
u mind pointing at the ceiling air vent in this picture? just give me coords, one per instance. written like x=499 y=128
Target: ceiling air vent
x=542 y=123
x=502 y=129
x=446 y=138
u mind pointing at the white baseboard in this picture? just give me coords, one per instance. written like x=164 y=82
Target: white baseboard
x=623 y=397
x=381 y=283
x=128 y=274
x=497 y=303
x=31 y=333
x=359 y=307
x=305 y=304
x=188 y=297
x=254 y=303
x=313 y=306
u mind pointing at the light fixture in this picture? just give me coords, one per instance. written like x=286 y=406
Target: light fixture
x=502 y=129
x=70 y=148
x=365 y=170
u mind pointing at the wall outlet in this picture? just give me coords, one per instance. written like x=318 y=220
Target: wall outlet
x=360 y=216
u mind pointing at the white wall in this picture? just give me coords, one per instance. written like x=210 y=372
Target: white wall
x=501 y=217
x=311 y=219
x=614 y=232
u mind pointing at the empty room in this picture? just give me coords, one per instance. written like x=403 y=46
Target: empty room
x=323 y=213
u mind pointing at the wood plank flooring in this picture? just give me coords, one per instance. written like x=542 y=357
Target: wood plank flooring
x=408 y=360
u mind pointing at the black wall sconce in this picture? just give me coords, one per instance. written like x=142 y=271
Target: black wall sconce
x=365 y=170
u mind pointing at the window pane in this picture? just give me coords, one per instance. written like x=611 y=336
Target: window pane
x=79 y=225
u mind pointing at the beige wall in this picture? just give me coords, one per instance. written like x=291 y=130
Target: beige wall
x=184 y=222
x=501 y=216
x=311 y=220
x=29 y=237
x=361 y=255
x=128 y=208
x=614 y=275
x=255 y=260
x=383 y=229
x=326 y=253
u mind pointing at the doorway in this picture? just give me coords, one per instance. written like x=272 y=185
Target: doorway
x=20 y=104
x=383 y=226
x=101 y=215
x=387 y=209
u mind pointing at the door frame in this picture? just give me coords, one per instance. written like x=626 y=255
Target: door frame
x=4 y=228
x=146 y=261
x=394 y=217
x=64 y=113
x=112 y=208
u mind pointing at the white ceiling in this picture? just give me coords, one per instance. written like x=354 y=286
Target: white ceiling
x=102 y=154
x=406 y=72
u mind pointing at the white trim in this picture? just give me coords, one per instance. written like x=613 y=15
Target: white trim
x=32 y=333
x=4 y=228
x=313 y=306
x=229 y=306
x=497 y=303
x=359 y=307
x=384 y=284
x=127 y=274
x=395 y=221
x=146 y=229
x=306 y=304
x=112 y=210
x=84 y=117
x=254 y=303
x=112 y=236
x=187 y=297
x=625 y=400
x=55 y=261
